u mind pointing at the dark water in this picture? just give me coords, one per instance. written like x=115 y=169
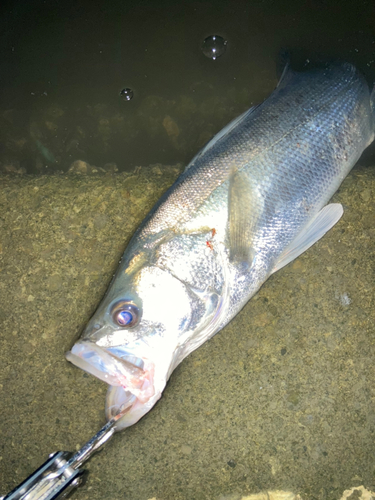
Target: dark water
x=64 y=64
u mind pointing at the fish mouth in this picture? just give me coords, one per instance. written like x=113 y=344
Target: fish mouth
x=130 y=377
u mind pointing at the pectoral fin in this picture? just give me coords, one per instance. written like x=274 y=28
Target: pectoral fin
x=316 y=228
x=241 y=219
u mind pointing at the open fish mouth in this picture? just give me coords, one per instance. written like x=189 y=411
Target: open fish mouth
x=130 y=377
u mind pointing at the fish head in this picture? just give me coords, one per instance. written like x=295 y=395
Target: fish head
x=140 y=332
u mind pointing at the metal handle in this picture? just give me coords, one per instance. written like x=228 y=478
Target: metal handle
x=40 y=486
x=61 y=473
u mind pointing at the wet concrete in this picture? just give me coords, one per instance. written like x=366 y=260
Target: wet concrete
x=281 y=399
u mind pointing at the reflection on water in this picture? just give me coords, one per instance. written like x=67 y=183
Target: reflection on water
x=65 y=66
x=214 y=46
x=127 y=94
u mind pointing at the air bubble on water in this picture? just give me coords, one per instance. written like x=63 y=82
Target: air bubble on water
x=214 y=46
x=127 y=94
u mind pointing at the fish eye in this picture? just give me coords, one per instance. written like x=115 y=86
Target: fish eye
x=125 y=314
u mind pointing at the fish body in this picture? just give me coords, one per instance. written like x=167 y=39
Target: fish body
x=251 y=201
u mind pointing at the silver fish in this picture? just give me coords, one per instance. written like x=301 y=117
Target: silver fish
x=248 y=204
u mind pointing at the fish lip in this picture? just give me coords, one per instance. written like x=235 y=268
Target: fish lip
x=117 y=397
x=131 y=373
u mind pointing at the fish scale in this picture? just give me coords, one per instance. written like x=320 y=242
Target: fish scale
x=252 y=200
x=259 y=138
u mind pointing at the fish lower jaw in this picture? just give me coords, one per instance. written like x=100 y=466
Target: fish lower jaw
x=130 y=378
x=118 y=397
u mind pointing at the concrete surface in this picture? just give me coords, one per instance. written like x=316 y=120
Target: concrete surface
x=281 y=399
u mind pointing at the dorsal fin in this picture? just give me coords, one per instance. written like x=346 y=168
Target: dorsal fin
x=284 y=71
x=220 y=134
